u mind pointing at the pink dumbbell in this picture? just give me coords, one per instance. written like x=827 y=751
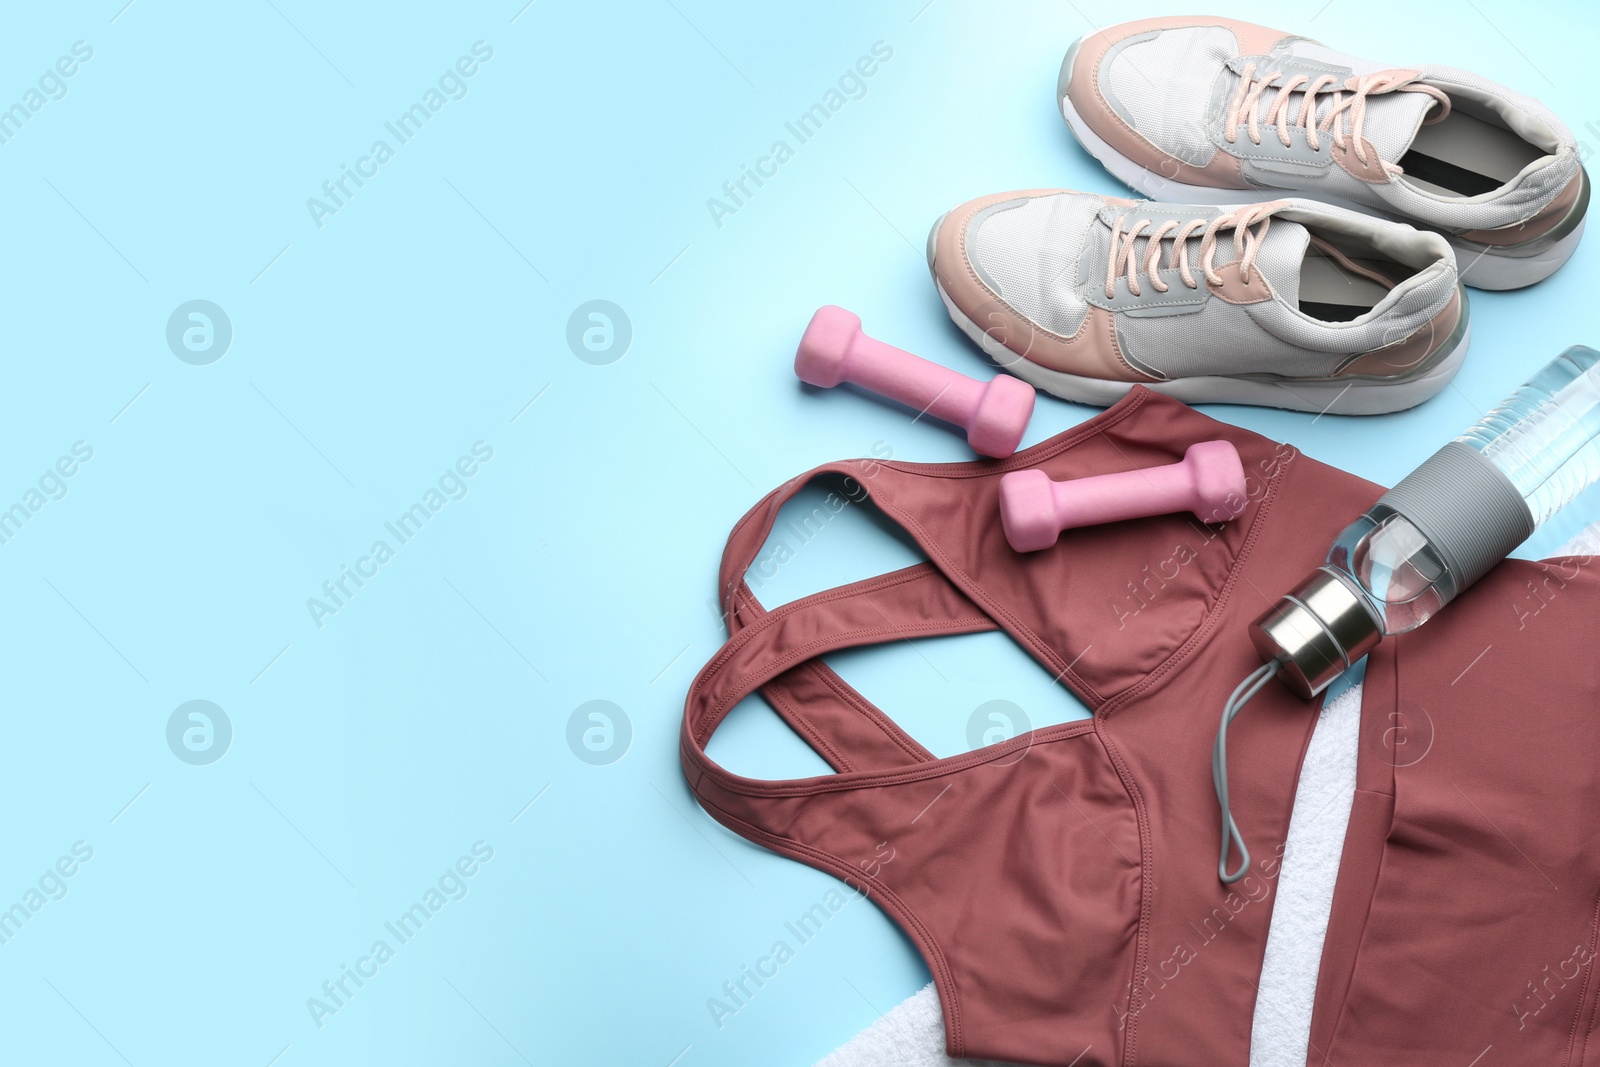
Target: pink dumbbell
x=994 y=413
x=1208 y=481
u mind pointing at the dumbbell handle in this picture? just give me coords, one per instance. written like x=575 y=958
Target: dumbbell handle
x=921 y=383
x=994 y=413
x=1209 y=481
x=1126 y=494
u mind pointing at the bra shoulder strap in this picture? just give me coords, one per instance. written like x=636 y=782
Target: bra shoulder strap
x=778 y=650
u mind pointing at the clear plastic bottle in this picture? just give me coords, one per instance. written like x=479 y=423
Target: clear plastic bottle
x=1545 y=437
x=1444 y=526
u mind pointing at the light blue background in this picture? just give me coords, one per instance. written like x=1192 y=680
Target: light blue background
x=426 y=315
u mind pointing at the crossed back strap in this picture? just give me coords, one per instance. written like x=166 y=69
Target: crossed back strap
x=779 y=649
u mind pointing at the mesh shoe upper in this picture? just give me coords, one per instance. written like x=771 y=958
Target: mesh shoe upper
x=1148 y=80
x=1028 y=251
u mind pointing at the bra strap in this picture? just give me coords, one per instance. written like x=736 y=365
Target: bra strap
x=779 y=649
x=776 y=651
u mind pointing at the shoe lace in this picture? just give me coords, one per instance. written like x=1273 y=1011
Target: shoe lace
x=1124 y=259
x=1245 y=107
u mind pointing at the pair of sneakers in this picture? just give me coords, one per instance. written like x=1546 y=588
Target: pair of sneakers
x=1311 y=220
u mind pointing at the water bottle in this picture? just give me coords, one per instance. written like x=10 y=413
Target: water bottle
x=1443 y=527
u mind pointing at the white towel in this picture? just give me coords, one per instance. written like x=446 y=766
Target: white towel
x=911 y=1034
x=1281 y=1029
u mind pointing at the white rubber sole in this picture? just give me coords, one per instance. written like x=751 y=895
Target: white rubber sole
x=1477 y=265
x=1347 y=396
x=1481 y=267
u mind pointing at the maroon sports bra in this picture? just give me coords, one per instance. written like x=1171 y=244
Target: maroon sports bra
x=1062 y=887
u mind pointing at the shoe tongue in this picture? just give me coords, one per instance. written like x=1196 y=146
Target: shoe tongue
x=1392 y=121
x=1278 y=256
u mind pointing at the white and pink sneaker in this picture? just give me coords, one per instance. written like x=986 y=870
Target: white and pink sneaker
x=1286 y=303
x=1211 y=110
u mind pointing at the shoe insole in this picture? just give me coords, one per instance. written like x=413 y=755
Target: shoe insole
x=1331 y=292
x=1465 y=156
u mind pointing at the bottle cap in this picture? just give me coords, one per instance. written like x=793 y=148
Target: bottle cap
x=1317 y=632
